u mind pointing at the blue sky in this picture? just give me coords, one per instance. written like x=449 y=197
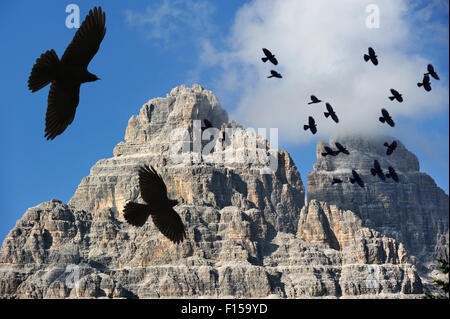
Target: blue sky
x=151 y=47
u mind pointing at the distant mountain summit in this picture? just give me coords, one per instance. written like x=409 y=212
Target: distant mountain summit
x=250 y=233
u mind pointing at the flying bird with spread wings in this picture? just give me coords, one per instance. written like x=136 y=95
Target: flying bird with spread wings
x=311 y=125
x=314 y=100
x=331 y=113
x=425 y=83
x=376 y=170
x=390 y=147
x=396 y=96
x=386 y=118
x=158 y=206
x=371 y=56
x=66 y=75
x=356 y=178
x=392 y=174
x=269 y=57
x=329 y=151
x=341 y=149
x=431 y=72
x=274 y=74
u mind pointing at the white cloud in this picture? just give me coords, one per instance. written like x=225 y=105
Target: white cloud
x=171 y=20
x=320 y=46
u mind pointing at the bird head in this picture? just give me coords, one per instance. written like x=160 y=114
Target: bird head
x=91 y=77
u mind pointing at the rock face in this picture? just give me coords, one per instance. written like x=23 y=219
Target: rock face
x=413 y=211
x=249 y=231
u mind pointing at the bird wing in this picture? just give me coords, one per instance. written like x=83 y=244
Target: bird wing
x=274 y=60
x=371 y=52
x=87 y=39
x=152 y=187
x=170 y=225
x=62 y=104
x=267 y=52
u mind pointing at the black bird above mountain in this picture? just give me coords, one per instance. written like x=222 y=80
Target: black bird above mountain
x=386 y=118
x=274 y=74
x=331 y=113
x=390 y=148
x=269 y=57
x=431 y=72
x=396 y=96
x=341 y=148
x=425 y=83
x=392 y=174
x=376 y=170
x=314 y=100
x=311 y=125
x=66 y=75
x=329 y=151
x=356 y=179
x=371 y=56
x=158 y=206
x=336 y=181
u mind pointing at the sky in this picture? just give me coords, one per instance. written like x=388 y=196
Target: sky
x=152 y=46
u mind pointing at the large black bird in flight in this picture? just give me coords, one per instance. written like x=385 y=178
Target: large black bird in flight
x=390 y=147
x=392 y=174
x=425 y=83
x=311 y=125
x=356 y=179
x=66 y=75
x=371 y=56
x=331 y=113
x=431 y=72
x=274 y=74
x=376 y=170
x=314 y=100
x=269 y=57
x=329 y=151
x=159 y=207
x=341 y=149
x=386 y=118
x=396 y=96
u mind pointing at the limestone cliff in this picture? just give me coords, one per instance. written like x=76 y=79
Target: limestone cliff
x=249 y=231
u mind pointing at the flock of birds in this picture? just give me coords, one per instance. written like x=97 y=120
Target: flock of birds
x=384 y=118
x=68 y=73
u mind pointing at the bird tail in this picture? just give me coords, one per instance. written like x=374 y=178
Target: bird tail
x=392 y=98
x=136 y=214
x=373 y=172
x=264 y=59
x=326 y=114
x=419 y=84
x=366 y=57
x=382 y=120
x=305 y=127
x=44 y=70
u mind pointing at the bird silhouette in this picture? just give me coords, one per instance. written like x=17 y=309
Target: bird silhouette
x=331 y=113
x=396 y=96
x=329 y=151
x=377 y=170
x=371 y=56
x=66 y=75
x=311 y=125
x=274 y=74
x=158 y=206
x=314 y=100
x=336 y=181
x=425 y=83
x=207 y=124
x=431 y=72
x=386 y=118
x=269 y=57
x=392 y=174
x=356 y=179
x=390 y=148
x=341 y=149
